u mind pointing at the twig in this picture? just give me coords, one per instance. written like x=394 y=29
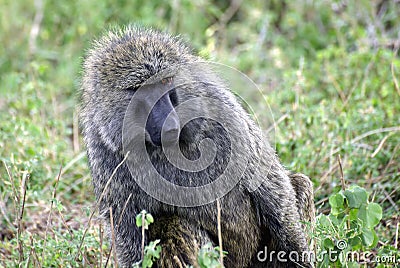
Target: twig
x=196 y=248
x=21 y=214
x=341 y=173
x=343 y=184
x=113 y=236
x=230 y=12
x=391 y=158
x=143 y=225
x=101 y=234
x=321 y=201
x=66 y=225
x=384 y=176
x=49 y=216
x=16 y=198
x=119 y=222
x=375 y=131
x=109 y=255
x=123 y=209
x=387 y=197
x=35 y=258
x=366 y=134
x=178 y=261
x=32 y=251
x=98 y=202
x=380 y=145
x=396 y=239
x=72 y=162
x=277 y=122
x=221 y=255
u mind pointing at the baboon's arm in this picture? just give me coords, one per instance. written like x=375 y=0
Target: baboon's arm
x=278 y=213
x=303 y=187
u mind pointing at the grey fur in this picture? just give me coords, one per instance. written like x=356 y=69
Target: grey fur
x=269 y=216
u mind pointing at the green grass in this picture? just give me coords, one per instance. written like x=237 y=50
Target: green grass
x=330 y=72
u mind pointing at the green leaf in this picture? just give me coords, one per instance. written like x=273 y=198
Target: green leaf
x=374 y=214
x=362 y=214
x=149 y=218
x=355 y=243
x=370 y=215
x=335 y=221
x=323 y=221
x=157 y=252
x=352 y=265
x=139 y=220
x=356 y=196
x=376 y=240
x=336 y=201
x=353 y=213
x=368 y=237
x=223 y=251
x=146 y=262
x=328 y=243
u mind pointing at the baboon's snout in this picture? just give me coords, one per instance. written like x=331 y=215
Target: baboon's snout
x=170 y=129
x=163 y=124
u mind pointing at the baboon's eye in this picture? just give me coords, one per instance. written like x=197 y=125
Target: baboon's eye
x=167 y=81
x=132 y=88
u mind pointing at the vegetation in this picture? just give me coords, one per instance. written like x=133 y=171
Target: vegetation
x=330 y=71
x=152 y=251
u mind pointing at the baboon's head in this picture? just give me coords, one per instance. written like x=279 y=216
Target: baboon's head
x=119 y=64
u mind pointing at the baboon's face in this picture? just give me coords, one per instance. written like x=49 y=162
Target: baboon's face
x=155 y=103
x=120 y=73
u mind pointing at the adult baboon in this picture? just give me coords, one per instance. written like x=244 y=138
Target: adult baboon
x=139 y=75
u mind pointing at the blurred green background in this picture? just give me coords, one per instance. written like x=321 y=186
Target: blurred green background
x=330 y=71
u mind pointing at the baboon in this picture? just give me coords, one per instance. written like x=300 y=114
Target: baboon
x=264 y=209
